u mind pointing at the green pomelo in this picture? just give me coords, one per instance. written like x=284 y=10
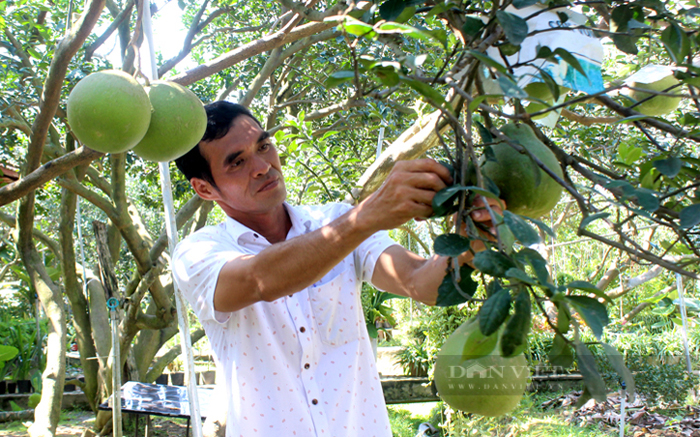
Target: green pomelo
x=109 y=111
x=33 y=400
x=659 y=105
x=177 y=124
x=525 y=187
x=472 y=376
x=540 y=90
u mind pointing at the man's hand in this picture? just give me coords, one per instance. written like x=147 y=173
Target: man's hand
x=407 y=193
x=482 y=216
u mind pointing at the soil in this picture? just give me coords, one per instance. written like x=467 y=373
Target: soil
x=73 y=424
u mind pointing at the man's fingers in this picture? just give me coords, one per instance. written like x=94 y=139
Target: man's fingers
x=425 y=165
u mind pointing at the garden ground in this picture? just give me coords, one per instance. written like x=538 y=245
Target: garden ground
x=528 y=421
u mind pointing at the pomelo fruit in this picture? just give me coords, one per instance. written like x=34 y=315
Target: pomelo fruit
x=109 y=111
x=472 y=376
x=541 y=91
x=659 y=105
x=177 y=124
x=525 y=187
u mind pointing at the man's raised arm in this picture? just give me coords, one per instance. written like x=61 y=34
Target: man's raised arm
x=292 y=265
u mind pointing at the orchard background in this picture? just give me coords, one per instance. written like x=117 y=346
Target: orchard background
x=331 y=80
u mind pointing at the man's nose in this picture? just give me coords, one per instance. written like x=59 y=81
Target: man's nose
x=260 y=166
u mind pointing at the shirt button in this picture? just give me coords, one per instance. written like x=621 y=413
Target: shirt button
x=315 y=401
x=290 y=295
x=302 y=329
x=307 y=365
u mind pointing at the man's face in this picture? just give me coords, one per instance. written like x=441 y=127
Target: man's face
x=247 y=170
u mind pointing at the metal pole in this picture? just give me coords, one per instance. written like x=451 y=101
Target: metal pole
x=623 y=401
x=679 y=286
x=112 y=304
x=171 y=230
x=80 y=245
x=380 y=141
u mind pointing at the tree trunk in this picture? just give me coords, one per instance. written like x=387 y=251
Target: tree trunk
x=78 y=301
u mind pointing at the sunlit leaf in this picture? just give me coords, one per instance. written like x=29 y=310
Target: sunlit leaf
x=494 y=312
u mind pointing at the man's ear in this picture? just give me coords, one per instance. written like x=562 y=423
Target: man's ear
x=205 y=189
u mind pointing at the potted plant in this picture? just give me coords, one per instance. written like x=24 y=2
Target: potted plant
x=6 y=354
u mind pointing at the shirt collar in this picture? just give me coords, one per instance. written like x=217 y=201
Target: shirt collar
x=301 y=224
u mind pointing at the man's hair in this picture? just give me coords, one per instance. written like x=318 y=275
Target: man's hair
x=220 y=118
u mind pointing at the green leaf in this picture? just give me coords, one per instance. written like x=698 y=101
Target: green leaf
x=478 y=344
x=630 y=119
x=560 y=355
x=618 y=363
x=516 y=273
x=356 y=27
x=391 y=9
x=489 y=61
x=7 y=352
x=339 y=77
x=542 y=226
x=534 y=260
x=587 y=286
x=494 y=312
x=669 y=167
x=514 y=337
x=428 y=92
x=492 y=263
x=478 y=100
x=520 y=4
x=451 y=244
x=484 y=133
x=647 y=199
x=522 y=231
x=445 y=200
x=571 y=60
x=593 y=313
x=510 y=88
x=372 y=330
x=514 y=27
x=676 y=42
x=690 y=216
x=449 y=295
x=591 y=218
x=591 y=378
x=387 y=75
x=472 y=26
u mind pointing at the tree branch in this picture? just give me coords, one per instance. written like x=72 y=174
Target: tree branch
x=587 y=121
x=262 y=45
x=114 y=25
x=653 y=122
x=187 y=44
x=50 y=170
x=51 y=94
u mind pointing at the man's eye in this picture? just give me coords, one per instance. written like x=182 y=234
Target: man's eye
x=265 y=146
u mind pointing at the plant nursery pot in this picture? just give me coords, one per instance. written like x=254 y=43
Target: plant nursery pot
x=24 y=386
x=208 y=377
x=3 y=387
x=11 y=388
x=162 y=379
x=177 y=378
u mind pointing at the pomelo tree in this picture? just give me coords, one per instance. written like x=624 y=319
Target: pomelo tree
x=327 y=79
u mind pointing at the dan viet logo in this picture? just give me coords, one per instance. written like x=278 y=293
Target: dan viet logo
x=478 y=377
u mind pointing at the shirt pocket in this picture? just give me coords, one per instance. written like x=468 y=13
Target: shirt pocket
x=335 y=307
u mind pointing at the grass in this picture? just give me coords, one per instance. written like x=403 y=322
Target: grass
x=528 y=420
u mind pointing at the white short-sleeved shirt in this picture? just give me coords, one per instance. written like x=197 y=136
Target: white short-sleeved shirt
x=301 y=365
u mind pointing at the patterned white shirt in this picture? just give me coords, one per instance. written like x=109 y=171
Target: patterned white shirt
x=301 y=365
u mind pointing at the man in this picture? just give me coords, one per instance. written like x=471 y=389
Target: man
x=277 y=288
